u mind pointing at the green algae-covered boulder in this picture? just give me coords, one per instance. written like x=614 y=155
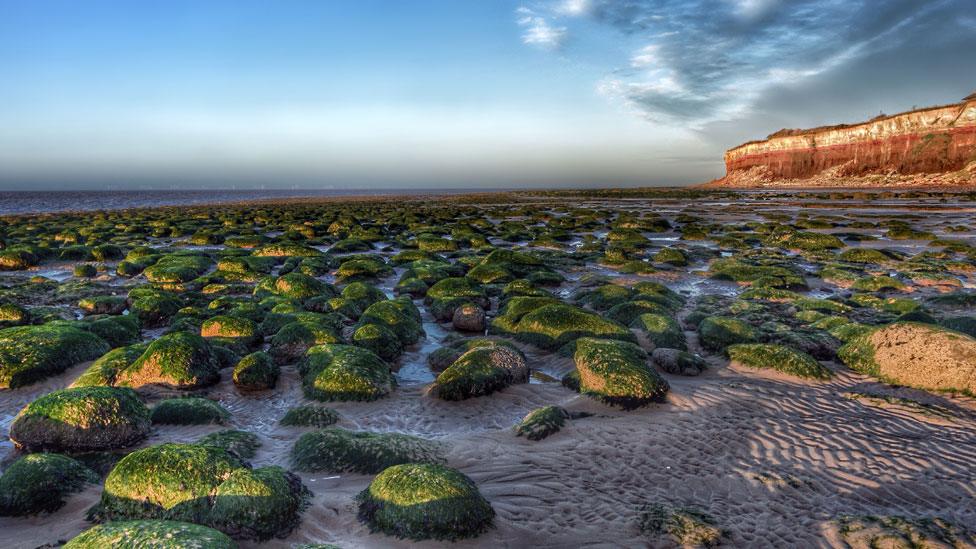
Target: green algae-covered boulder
x=301 y=287
x=506 y=322
x=379 y=339
x=542 y=422
x=676 y=361
x=117 y=331
x=234 y=327
x=40 y=482
x=103 y=305
x=179 y=360
x=256 y=372
x=778 y=357
x=189 y=411
x=31 y=353
x=362 y=295
x=481 y=371
x=203 y=484
x=718 y=332
x=310 y=415
x=81 y=419
x=345 y=372
x=398 y=315
x=616 y=372
x=294 y=339
x=242 y=444
x=12 y=314
x=918 y=355
x=661 y=330
x=167 y=481
x=286 y=249
x=104 y=370
x=553 y=326
x=161 y=534
x=258 y=503
x=154 y=309
x=425 y=501
x=894 y=532
x=338 y=451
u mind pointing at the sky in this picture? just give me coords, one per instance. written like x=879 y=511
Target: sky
x=370 y=94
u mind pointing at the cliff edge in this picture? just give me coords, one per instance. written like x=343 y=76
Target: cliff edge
x=934 y=146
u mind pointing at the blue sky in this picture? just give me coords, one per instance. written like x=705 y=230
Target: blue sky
x=368 y=94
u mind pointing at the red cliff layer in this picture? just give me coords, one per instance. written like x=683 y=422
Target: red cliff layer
x=932 y=140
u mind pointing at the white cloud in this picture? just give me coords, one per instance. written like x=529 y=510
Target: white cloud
x=646 y=56
x=538 y=31
x=574 y=7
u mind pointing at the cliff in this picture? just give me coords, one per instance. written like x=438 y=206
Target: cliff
x=914 y=145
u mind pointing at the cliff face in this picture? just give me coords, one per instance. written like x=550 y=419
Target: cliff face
x=933 y=140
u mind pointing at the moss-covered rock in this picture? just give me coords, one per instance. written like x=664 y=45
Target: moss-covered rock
x=338 y=450
x=718 y=332
x=162 y=534
x=31 y=353
x=685 y=526
x=542 y=422
x=225 y=326
x=617 y=373
x=345 y=372
x=242 y=444
x=294 y=339
x=661 y=330
x=481 y=371
x=178 y=360
x=379 y=339
x=189 y=411
x=203 y=484
x=258 y=503
x=918 y=355
x=256 y=372
x=81 y=419
x=398 y=315
x=310 y=415
x=552 y=326
x=40 y=482
x=298 y=286
x=103 y=305
x=425 y=501
x=104 y=370
x=676 y=361
x=778 y=357
x=870 y=532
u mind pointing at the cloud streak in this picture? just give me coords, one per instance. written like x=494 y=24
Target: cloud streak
x=699 y=62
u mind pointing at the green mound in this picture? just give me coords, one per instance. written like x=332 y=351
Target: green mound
x=179 y=360
x=552 y=326
x=161 y=534
x=379 y=339
x=399 y=315
x=617 y=373
x=81 y=419
x=31 y=353
x=780 y=358
x=482 y=371
x=294 y=339
x=685 y=526
x=203 y=484
x=225 y=326
x=918 y=355
x=345 y=372
x=104 y=370
x=542 y=422
x=425 y=501
x=189 y=411
x=717 y=332
x=338 y=450
x=256 y=372
x=240 y=443
x=310 y=415
x=40 y=482
x=661 y=330
x=868 y=532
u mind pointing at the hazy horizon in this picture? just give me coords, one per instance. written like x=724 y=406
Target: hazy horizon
x=438 y=94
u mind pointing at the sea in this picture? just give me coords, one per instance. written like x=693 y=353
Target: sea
x=31 y=202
